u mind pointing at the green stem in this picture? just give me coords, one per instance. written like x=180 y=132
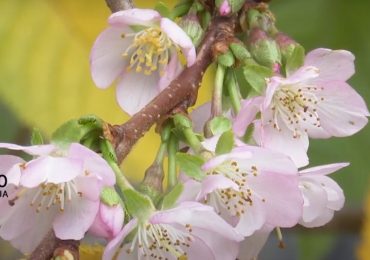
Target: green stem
x=121 y=181
x=172 y=150
x=161 y=152
x=234 y=93
x=192 y=140
x=217 y=91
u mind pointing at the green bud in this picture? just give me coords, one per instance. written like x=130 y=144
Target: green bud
x=264 y=49
x=226 y=59
x=110 y=197
x=182 y=121
x=191 y=26
x=240 y=51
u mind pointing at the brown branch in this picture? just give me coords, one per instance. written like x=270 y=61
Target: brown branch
x=183 y=89
x=51 y=246
x=119 y=5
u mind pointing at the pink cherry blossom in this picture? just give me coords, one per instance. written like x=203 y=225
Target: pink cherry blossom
x=322 y=195
x=141 y=50
x=225 y=8
x=108 y=222
x=58 y=189
x=190 y=229
x=315 y=101
x=251 y=187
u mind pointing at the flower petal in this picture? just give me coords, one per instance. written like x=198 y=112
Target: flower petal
x=50 y=169
x=248 y=112
x=106 y=60
x=76 y=219
x=215 y=182
x=179 y=37
x=171 y=71
x=134 y=17
x=136 y=90
x=324 y=169
x=333 y=64
x=200 y=115
x=252 y=219
x=251 y=246
x=32 y=150
x=7 y=162
x=323 y=219
x=343 y=111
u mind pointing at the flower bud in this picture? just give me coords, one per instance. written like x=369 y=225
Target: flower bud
x=226 y=7
x=286 y=45
x=191 y=26
x=264 y=49
x=108 y=221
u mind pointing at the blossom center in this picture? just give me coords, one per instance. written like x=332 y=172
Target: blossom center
x=149 y=51
x=49 y=194
x=234 y=201
x=157 y=241
x=296 y=105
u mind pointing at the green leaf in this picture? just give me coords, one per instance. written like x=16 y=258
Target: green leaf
x=256 y=76
x=110 y=197
x=137 y=204
x=226 y=143
x=227 y=59
x=163 y=9
x=36 y=137
x=220 y=125
x=295 y=60
x=170 y=199
x=181 y=9
x=205 y=19
x=190 y=165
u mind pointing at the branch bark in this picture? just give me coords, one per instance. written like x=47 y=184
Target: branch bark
x=182 y=91
x=119 y=5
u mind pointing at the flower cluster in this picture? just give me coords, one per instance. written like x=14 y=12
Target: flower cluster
x=234 y=166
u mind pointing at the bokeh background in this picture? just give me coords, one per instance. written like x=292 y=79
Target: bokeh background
x=45 y=80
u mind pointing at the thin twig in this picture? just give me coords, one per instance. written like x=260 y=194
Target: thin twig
x=119 y=5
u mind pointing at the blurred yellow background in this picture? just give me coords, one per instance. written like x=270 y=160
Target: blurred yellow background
x=45 y=80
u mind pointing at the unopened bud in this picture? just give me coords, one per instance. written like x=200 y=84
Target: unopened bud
x=286 y=45
x=226 y=7
x=191 y=26
x=264 y=20
x=264 y=49
x=240 y=51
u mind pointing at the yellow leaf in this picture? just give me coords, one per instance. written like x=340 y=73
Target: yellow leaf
x=44 y=68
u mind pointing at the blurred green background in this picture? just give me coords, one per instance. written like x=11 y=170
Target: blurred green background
x=45 y=80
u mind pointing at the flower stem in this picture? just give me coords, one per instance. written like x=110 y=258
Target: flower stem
x=234 y=93
x=172 y=150
x=121 y=181
x=161 y=152
x=192 y=140
x=217 y=91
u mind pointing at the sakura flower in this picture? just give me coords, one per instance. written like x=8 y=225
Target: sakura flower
x=315 y=101
x=322 y=195
x=190 y=229
x=252 y=187
x=108 y=222
x=57 y=189
x=141 y=50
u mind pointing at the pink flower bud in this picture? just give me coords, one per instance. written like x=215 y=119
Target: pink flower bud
x=225 y=8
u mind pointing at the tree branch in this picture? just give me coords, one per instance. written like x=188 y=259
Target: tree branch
x=182 y=90
x=119 y=5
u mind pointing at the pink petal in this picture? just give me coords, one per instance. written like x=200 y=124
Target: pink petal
x=200 y=115
x=281 y=196
x=198 y=249
x=251 y=246
x=106 y=60
x=179 y=37
x=324 y=169
x=113 y=245
x=136 y=90
x=248 y=112
x=135 y=16
x=76 y=219
x=215 y=161
x=172 y=70
x=190 y=191
x=343 y=112
x=94 y=164
x=253 y=218
x=50 y=169
x=108 y=222
x=32 y=150
x=197 y=215
x=14 y=175
x=283 y=142
x=89 y=186
x=7 y=162
x=315 y=199
x=210 y=144
x=323 y=219
x=333 y=64
x=215 y=182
